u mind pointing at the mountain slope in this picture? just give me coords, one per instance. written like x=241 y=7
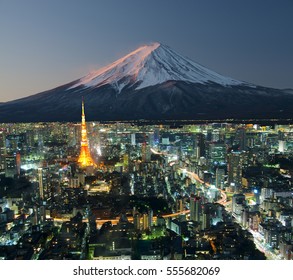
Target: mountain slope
x=151 y=65
x=153 y=82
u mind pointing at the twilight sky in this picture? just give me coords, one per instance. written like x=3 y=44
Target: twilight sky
x=44 y=44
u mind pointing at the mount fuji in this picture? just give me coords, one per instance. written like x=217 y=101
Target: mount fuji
x=149 y=66
x=152 y=83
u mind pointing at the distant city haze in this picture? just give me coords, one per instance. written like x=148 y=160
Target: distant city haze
x=45 y=44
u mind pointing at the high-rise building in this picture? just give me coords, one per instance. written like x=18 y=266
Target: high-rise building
x=238 y=204
x=282 y=146
x=2 y=143
x=156 y=136
x=195 y=208
x=200 y=143
x=2 y=152
x=209 y=135
x=206 y=216
x=41 y=186
x=85 y=158
x=15 y=142
x=245 y=217
x=241 y=136
x=265 y=193
x=150 y=216
x=235 y=170
x=18 y=163
x=10 y=166
x=126 y=163
x=136 y=221
x=151 y=138
x=254 y=221
x=220 y=177
x=179 y=205
x=133 y=140
x=217 y=152
x=145 y=221
x=148 y=153
x=143 y=152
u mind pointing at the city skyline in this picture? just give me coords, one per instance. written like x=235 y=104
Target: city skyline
x=213 y=191
x=44 y=46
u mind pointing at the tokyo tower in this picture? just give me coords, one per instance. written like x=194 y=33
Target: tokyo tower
x=84 y=158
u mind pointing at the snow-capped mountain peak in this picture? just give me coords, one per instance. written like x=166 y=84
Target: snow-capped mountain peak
x=137 y=88
x=150 y=65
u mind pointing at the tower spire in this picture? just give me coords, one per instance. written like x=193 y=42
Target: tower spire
x=82 y=107
x=84 y=158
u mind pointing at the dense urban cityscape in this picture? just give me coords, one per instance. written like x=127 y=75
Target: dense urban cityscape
x=109 y=191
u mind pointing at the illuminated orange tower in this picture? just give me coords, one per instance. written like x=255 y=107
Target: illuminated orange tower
x=84 y=158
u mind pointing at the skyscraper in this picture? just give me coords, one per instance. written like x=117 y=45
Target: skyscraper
x=242 y=139
x=126 y=163
x=156 y=136
x=217 y=152
x=235 y=161
x=150 y=217
x=41 y=186
x=200 y=145
x=195 y=208
x=206 y=216
x=220 y=177
x=136 y=221
x=143 y=152
x=145 y=221
x=133 y=140
x=84 y=158
x=10 y=166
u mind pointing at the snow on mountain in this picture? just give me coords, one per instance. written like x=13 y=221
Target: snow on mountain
x=197 y=93
x=150 y=65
